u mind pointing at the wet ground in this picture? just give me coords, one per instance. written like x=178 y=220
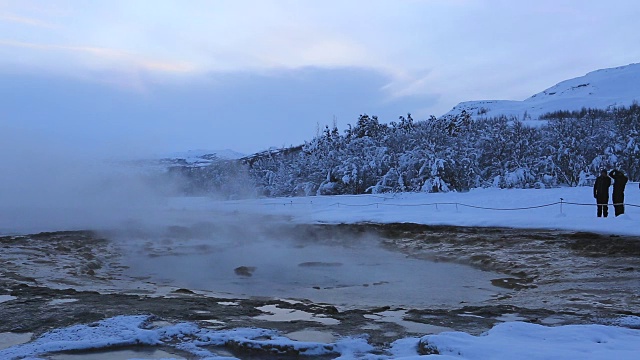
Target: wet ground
x=52 y=280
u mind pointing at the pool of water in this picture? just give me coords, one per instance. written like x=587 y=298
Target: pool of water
x=116 y=354
x=345 y=272
x=8 y=339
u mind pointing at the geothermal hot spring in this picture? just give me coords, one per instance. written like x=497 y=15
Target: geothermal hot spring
x=250 y=258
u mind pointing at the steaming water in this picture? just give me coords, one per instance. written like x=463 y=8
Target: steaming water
x=344 y=272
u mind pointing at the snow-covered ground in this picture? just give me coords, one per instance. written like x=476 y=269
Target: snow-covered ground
x=481 y=207
x=509 y=341
x=570 y=208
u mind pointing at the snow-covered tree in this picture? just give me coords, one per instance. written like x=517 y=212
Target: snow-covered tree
x=452 y=153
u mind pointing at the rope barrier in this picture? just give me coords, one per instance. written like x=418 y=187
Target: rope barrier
x=513 y=209
x=372 y=196
x=377 y=204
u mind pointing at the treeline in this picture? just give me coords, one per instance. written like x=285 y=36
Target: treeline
x=451 y=153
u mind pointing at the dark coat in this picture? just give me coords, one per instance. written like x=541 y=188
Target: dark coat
x=620 y=181
x=601 y=188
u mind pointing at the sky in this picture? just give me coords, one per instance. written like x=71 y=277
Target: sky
x=145 y=77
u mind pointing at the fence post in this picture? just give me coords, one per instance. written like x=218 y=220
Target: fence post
x=561 y=201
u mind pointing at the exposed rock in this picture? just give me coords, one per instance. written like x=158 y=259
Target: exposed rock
x=244 y=270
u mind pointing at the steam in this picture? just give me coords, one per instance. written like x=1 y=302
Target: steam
x=49 y=186
x=197 y=243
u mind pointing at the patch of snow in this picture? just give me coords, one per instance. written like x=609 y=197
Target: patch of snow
x=518 y=340
x=628 y=321
x=61 y=301
x=277 y=314
x=511 y=340
x=228 y=303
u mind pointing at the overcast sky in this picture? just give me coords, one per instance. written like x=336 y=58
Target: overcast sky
x=156 y=76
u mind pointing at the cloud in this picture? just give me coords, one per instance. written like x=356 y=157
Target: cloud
x=108 y=56
x=123 y=69
x=26 y=21
x=450 y=50
x=244 y=111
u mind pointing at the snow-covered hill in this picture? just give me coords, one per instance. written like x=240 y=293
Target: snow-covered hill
x=599 y=89
x=197 y=158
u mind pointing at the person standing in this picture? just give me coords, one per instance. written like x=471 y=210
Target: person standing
x=619 y=182
x=601 y=193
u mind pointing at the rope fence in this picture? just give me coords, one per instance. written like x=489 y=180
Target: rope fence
x=388 y=201
x=456 y=204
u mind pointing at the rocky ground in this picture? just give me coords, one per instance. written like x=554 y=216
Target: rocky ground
x=52 y=280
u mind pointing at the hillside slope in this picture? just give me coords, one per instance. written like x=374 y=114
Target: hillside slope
x=600 y=89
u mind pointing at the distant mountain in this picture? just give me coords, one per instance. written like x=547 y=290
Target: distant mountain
x=601 y=89
x=198 y=158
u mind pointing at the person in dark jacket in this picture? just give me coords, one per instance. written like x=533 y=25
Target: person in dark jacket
x=619 y=182
x=601 y=193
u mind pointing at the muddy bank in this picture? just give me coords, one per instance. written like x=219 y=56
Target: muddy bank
x=558 y=270
x=52 y=280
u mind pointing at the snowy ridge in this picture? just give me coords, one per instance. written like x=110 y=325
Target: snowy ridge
x=601 y=89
